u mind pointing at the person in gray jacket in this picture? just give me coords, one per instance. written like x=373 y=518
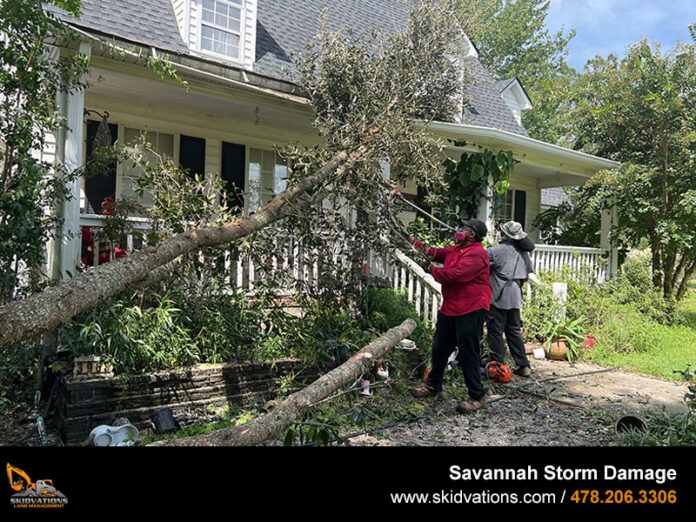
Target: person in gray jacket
x=510 y=266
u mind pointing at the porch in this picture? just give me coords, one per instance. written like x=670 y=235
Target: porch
x=398 y=270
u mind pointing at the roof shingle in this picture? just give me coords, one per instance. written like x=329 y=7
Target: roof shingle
x=284 y=27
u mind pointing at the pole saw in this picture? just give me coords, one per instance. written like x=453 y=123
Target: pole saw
x=418 y=209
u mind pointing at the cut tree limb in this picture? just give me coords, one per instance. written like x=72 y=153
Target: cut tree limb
x=43 y=312
x=291 y=409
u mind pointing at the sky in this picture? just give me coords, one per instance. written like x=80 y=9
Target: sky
x=610 y=26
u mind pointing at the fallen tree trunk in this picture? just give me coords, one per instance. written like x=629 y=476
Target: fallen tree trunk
x=291 y=409
x=43 y=312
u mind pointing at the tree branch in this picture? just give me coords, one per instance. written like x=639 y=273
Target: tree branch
x=291 y=409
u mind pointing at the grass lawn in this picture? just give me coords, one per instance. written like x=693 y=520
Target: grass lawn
x=662 y=349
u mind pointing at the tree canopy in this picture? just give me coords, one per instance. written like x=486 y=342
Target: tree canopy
x=513 y=41
x=641 y=110
x=30 y=79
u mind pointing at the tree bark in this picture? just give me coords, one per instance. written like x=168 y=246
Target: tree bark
x=40 y=313
x=688 y=273
x=291 y=409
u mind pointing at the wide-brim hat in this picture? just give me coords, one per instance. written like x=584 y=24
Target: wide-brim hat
x=513 y=230
x=478 y=226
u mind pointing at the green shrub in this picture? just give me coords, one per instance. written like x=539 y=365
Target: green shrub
x=136 y=339
x=18 y=376
x=385 y=308
x=174 y=331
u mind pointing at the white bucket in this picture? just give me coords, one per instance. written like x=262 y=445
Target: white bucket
x=104 y=435
x=539 y=353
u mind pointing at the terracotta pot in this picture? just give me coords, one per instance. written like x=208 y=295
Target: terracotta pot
x=558 y=350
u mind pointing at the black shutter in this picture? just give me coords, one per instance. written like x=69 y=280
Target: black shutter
x=100 y=181
x=192 y=154
x=232 y=174
x=520 y=207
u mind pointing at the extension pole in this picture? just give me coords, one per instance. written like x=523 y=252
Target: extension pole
x=418 y=209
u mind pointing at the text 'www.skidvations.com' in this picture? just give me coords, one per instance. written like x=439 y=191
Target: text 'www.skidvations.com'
x=479 y=497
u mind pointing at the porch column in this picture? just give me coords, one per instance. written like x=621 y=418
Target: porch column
x=609 y=217
x=53 y=246
x=485 y=209
x=70 y=246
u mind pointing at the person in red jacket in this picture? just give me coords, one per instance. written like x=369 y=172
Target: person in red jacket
x=466 y=293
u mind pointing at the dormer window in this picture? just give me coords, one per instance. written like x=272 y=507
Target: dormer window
x=221 y=27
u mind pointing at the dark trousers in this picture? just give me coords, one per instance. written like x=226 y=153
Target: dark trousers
x=464 y=332
x=507 y=321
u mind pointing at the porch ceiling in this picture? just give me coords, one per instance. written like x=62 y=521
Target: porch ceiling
x=275 y=113
x=552 y=165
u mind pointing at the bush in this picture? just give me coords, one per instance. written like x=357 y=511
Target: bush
x=384 y=308
x=174 y=331
x=625 y=314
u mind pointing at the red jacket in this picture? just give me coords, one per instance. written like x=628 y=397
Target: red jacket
x=466 y=286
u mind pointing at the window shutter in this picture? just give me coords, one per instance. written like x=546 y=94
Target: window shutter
x=232 y=173
x=520 y=207
x=192 y=154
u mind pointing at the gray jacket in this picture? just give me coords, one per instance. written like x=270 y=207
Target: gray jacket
x=509 y=269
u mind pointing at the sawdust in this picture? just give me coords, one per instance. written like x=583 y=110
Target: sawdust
x=562 y=404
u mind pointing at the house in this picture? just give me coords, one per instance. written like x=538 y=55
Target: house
x=235 y=56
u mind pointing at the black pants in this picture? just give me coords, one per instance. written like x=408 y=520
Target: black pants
x=507 y=321
x=465 y=332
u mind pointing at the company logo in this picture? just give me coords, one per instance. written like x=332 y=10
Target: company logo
x=39 y=494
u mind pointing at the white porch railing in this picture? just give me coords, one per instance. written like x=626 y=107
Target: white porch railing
x=95 y=222
x=420 y=287
x=588 y=264
x=401 y=271
x=425 y=293
x=243 y=273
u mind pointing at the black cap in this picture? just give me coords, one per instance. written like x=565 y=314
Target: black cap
x=478 y=226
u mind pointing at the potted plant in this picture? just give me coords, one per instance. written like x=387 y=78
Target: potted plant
x=563 y=339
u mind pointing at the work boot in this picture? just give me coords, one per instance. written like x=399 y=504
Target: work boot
x=523 y=371
x=471 y=405
x=423 y=392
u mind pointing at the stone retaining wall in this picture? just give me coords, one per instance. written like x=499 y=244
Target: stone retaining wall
x=82 y=404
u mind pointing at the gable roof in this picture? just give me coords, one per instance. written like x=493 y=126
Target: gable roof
x=284 y=27
x=149 y=22
x=486 y=107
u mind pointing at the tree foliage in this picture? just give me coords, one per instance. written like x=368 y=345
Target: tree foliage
x=513 y=41
x=366 y=91
x=641 y=111
x=30 y=79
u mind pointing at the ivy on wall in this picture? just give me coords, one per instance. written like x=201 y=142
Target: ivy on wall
x=467 y=179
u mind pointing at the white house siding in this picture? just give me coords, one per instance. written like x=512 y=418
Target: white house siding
x=180 y=7
x=514 y=105
x=250 y=8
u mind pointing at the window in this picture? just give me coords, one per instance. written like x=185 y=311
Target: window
x=268 y=175
x=221 y=27
x=160 y=142
x=510 y=206
x=502 y=207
